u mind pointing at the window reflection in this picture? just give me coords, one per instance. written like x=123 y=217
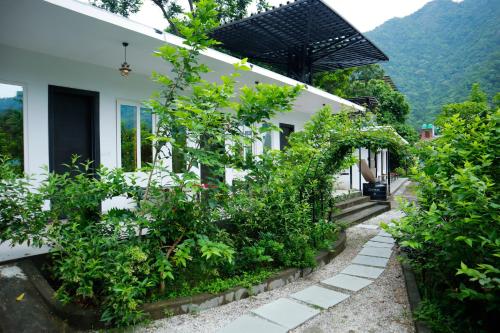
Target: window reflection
x=146 y=131
x=128 y=114
x=11 y=125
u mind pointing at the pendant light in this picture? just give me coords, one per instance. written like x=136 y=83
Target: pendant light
x=125 y=67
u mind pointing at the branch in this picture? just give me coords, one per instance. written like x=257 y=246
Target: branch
x=159 y=3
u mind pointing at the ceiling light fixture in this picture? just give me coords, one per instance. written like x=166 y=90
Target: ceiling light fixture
x=125 y=67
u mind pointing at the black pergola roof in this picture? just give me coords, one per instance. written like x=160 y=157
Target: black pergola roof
x=299 y=38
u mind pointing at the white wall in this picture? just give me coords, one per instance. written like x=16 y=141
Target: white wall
x=35 y=72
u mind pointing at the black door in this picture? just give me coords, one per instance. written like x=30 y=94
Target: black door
x=73 y=127
x=286 y=130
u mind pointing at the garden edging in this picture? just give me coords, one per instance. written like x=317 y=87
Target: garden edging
x=82 y=318
x=413 y=295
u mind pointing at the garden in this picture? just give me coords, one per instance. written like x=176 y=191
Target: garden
x=189 y=234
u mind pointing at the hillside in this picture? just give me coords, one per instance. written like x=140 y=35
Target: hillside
x=439 y=51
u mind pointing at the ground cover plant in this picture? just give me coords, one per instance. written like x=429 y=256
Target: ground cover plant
x=190 y=230
x=452 y=236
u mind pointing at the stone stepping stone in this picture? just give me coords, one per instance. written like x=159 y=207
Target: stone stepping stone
x=376 y=252
x=286 y=313
x=252 y=324
x=381 y=239
x=378 y=244
x=322 y=297
x=384 y=234
x=347 y=282
x=363 y=271
x=370 y=261
x=367 y=226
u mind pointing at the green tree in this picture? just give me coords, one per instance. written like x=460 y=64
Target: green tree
x=122 y=7
x=393 y=108
x=172 y=10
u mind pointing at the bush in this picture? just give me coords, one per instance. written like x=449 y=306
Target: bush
x=452 y=236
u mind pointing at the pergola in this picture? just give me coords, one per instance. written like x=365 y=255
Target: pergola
x=299 y=39
x=369 y=102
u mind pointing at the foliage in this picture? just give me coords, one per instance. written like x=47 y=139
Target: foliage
x=439 y=51
x=122 y=7
x=21 y=215
x=452 y=236
x=392 y=109
x=296 y=186
x=11 y=137
x=174 y=10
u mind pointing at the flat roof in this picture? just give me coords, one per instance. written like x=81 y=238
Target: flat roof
x=308 y=29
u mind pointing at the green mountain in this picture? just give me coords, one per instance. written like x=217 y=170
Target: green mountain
x=439 y=51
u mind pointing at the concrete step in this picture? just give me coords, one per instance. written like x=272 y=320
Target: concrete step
x=354 y=209
x=352 y=202
x=365 y=214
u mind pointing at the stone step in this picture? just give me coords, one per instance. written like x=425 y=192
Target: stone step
x=352 y=202
x=364 y=215
x=354 y=209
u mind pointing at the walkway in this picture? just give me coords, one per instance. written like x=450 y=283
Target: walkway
x=361 y=290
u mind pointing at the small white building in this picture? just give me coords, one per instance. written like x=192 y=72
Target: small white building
x=59 y=61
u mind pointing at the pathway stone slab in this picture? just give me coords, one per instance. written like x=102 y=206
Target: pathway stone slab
x=370 y=261
x=252 y=324
x=347 y=282
x=367 y=226
x=363 y=271
x=376 y=252
x=322 y=297
x=378 y=244
x=383 y=239
x=384 y=234
x=286 y=312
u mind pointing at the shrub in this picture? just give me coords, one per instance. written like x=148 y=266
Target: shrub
x=452 y=235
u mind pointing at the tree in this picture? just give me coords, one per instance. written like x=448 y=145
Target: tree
x=393 y=108
x=122 y=7
x=173 y=10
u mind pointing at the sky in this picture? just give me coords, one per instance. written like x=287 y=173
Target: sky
x=365 y=15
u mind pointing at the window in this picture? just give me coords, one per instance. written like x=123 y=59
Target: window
x=248 y=148
x=286 y=130
x=11 y=125
x=267 y=142
x=178 y=157
x=136 y=127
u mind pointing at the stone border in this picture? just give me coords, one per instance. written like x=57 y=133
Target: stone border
x=413 y=294
x=82 y=318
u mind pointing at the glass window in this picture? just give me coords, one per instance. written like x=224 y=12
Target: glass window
x=136 y=127
x=146 y=131
x=248 y=151
x=128 y=114
x=11 y=125
x=266 y=138
x=178 y=158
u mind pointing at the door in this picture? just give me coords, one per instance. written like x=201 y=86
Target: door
x=286 y=130
x=73 y=127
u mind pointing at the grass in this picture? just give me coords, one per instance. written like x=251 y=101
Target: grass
x=217 y=285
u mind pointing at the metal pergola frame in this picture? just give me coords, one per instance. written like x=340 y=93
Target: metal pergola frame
x=299 y=39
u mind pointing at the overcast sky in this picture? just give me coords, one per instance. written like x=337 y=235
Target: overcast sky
x=363 y=14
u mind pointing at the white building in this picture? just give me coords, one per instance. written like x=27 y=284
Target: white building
x=64 y=56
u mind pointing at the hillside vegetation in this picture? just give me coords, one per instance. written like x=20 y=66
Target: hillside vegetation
x=437 y=53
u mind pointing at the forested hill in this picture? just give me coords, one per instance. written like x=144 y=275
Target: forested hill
x=439 y=51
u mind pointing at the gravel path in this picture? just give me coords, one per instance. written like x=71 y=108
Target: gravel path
x=381 y=307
